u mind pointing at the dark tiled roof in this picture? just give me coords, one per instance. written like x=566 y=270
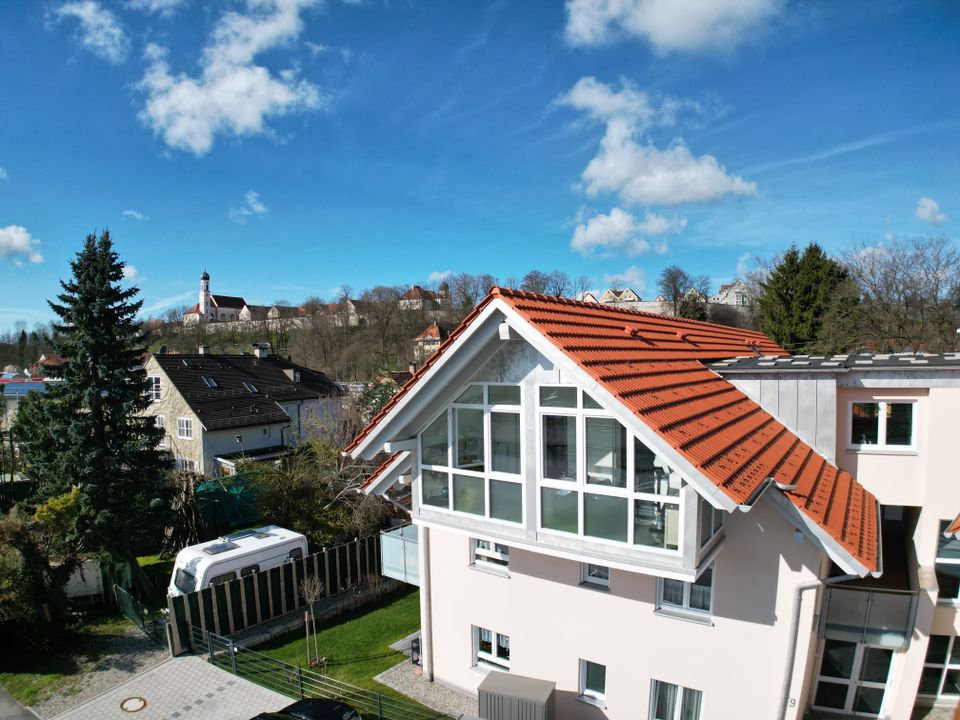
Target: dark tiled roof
x=230 y=403
x=838 y=363
x=228 y=301
x=654 y=365
x=258 y=312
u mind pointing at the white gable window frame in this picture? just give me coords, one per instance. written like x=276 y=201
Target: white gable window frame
x=457 y=484
x=185 y=428
x=160 y=424
x=879 y=440
x=594 y=494
x=153 y=388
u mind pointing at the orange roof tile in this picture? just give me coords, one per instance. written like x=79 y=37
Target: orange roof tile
x=954 y=527
x=654 y=365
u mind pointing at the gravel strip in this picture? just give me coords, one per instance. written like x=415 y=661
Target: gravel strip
x=402 y=678
x=117 y=659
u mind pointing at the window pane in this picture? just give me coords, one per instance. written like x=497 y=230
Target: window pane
x=589 y=402
x=485 y=640
x=504 y=394
x=648 y=477
x=899 y=423
x=606 y=452
x=838 y=659
x=672 y=592
x=948 y=548
x=948 y=578
x=831 y=695
x=469 y=437
x=435 y=442
x=700 y=591
x=468 y=494
x=565 y=397
x=598 y=574
x=665 y=705
x=505 y=501
x=930 y=681
x=937 y=649
x=868 y=700
x=955 y=652
x=605 y=517
x=876 y=664
x=656 y=524
x=690 y=710
x=503 y=647
x=865 y=423
x=473 y=395
x=559 y=509
x=505 y=438
x=435 y=490
x=560 y=447
x=951 y=683
x=594 y=677
x=706 y=522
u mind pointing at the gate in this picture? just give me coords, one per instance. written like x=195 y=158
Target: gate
x=136 y=612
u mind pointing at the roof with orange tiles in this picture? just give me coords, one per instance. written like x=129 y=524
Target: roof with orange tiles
x=432 y=332
x=654 y=365
x=953 y=528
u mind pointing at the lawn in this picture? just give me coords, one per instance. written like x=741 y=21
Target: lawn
x=158 y=569
x=59 y=672
x=357 y=645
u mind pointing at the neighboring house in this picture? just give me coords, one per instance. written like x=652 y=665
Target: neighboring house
x=736 y=294
x=218 y=409
x=252 y=313
x=598 y=508
x=12 y=391
x=213 y=308
x=625 y=298
x=418 y=298
x=346 y=312
x=891 y=421
x=427 y=343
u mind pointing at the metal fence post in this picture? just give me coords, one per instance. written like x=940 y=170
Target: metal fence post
x=210 y=646
x=233 y=658
x=300 y=680
x=379 y=706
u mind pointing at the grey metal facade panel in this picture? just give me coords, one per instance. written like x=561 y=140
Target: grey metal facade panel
x=503 y=696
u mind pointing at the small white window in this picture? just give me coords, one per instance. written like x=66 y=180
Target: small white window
x=687 y=597
x=882 y=424
x=153 y=388
x=160 y=424
x=184 y=464
x=673 y=702
x=185 y=428
x=595 y=575
x=490 y=555
x=593 y=682
x=492 y=649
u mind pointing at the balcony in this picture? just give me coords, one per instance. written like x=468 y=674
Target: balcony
x=399 y=554
x=880 y=618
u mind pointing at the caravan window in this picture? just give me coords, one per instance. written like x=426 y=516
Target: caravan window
x=223 y=579
x=184 y=581
x=296 y=554
x=249 y=570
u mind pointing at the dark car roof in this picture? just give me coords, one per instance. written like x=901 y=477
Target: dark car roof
x=312 y=709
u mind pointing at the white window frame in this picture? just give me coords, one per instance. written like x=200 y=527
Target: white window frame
x=184 y=428
x=881 y=444
x=586 y=694
x=488 y=473
x=939 y=561
x=154 y=388
x=593 y=581
x=161 y=424
x=185 y=464
x=678 y=709
x=684 y=610
x=582 y=487
x=492 y=660
x=944 y=667
x=490 y=556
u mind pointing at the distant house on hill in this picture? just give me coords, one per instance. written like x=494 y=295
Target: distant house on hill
x=736 y=293
x=426 y=343
x=418 y=298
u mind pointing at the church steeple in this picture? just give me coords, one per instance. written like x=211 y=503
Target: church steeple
x=205 y=304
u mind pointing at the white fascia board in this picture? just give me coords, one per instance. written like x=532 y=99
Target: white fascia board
x=400 y=465
x=374 y=441
x=703 y=485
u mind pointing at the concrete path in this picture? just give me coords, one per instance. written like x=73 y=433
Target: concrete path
x=183 y=688
x=10 y=709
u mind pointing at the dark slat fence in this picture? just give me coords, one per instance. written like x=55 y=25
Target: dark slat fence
x=254 y=599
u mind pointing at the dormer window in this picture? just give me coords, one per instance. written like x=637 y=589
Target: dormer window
x=251 y=388
x=210 y=382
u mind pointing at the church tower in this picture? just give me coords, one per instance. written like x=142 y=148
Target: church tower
x=205 y=306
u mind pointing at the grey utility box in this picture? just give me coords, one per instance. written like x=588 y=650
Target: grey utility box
x=505 y=696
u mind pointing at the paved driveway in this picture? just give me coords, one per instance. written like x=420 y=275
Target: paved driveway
x=11 y=710
x=183 y=688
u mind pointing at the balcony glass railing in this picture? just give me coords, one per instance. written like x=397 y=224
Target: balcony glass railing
x=399 y=556
x=882 y=618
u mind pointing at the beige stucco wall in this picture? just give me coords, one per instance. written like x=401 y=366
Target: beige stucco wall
x=553 y=622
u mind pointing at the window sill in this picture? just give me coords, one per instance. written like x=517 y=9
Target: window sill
x=484 y=667
x=504 y=573
x=949 y=602
x=687 y=615
x=599 y=702
x=882 y=450
x=594 y=586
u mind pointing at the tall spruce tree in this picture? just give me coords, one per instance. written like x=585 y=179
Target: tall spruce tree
x=796 y=296
x=89 y=430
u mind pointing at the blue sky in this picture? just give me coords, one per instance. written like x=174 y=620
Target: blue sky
x=290 y=147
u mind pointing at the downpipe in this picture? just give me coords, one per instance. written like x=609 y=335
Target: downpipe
x=795 y=630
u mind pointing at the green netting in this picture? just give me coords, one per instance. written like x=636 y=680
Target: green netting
x=229 y=502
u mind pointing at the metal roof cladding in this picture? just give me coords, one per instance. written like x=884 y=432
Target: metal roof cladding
x=654 y=365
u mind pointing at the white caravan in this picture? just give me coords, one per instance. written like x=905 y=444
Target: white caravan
x=232 y=556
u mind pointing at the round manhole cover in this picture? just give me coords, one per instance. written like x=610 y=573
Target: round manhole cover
x=133 y=704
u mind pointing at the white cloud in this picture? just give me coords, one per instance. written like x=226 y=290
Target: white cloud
x=159 y=7
x=439 y=276
x=668 y=25
x=632 y=278
x=251 y=207
x=928 y=209
x=100 y=31
x=168 y=302
x=3 y=174
x=134 y=215
x=619 y=231
x=17 y=245
x=131 y=273
x=232 y=95
x=888 y=236
x=633 y=167
x=743 y=264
